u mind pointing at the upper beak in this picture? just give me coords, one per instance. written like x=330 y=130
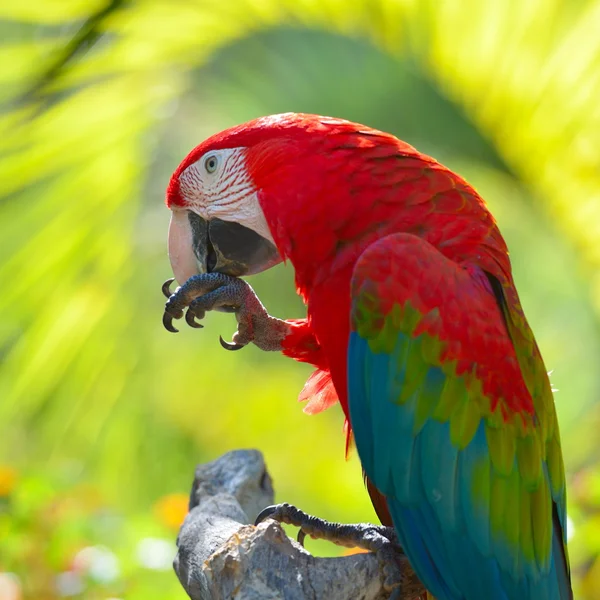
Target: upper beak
x=200 y=246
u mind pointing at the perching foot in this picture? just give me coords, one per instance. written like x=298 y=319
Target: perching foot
x=374 y=538
x=359 y=535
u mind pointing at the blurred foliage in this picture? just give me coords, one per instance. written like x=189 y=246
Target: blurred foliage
x=102 y=413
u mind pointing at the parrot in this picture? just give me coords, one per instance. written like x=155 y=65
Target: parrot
x=414 y=326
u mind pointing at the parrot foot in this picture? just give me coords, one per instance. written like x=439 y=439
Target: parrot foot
x=224 y=293
x=360 y=535
x=378 y=539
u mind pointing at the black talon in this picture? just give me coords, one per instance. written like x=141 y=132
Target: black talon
x=301 y=537
x=190 y=317
x=166 y=287
x=265 y=513
x=168 y=323
x=233 y=346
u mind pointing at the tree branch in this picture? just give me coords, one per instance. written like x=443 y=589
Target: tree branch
x=221 y=557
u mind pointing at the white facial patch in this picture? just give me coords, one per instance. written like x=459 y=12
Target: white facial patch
x=218 y=186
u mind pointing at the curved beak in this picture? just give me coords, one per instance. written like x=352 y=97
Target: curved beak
x=200 y=246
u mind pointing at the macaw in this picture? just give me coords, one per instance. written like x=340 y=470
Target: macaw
x=413 y=324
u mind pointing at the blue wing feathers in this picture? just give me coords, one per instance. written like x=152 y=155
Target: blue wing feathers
x=439 y=485
x=476 y=514
x=443 y=526
x=358 y=381
x=382 y=420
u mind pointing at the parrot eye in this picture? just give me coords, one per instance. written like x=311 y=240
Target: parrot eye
x=211 y=163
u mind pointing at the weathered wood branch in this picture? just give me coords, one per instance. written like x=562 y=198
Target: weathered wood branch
x=222 y=557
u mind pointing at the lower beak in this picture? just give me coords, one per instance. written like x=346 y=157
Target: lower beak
x=200 y=246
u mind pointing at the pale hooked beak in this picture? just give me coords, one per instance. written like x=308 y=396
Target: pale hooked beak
x=200 y=246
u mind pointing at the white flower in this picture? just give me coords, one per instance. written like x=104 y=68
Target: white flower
x=156 y=553
x=99 y=563
x=10 y=587
x=69 y=583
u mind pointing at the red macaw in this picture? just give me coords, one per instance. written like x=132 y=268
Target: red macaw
x=414 y=325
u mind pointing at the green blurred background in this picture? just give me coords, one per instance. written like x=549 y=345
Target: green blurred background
x=103 y=414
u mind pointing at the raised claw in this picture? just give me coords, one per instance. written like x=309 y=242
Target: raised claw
x=168 y=323
x=166 y=288
x=190 y=318
x=232 y=346
x=224 y=293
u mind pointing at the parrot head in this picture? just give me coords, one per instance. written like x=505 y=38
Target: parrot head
x=236 y=196
x=217 y=224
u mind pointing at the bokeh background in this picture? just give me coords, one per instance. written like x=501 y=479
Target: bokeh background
x=103 y=414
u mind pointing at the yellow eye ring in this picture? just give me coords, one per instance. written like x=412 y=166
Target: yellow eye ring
x=211 y=163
